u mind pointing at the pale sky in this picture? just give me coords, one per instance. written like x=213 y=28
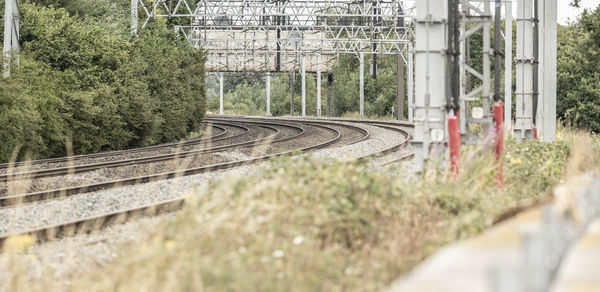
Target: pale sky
x=566 y=12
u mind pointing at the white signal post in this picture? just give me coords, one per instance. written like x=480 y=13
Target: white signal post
x=319 y=85
x=221 y=77
x=361 y=85
x=268 y=89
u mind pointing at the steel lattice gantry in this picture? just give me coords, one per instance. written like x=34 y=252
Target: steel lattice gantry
x=288 y=35
x=267 y=36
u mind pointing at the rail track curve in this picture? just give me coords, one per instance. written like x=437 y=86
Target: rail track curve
x=273 y=136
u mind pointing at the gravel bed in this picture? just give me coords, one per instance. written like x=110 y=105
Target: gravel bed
x=209 y=133
x=85 y=205
x=74 y=255
x=64 y=260
x=115 y=173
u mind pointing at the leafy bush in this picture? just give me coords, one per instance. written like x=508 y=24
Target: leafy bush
x=578 y=76
x=101 y=88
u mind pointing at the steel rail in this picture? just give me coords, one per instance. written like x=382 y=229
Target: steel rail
x=128 y=151
x=88 y=225
x=392 y=149
x=390 y=125
x=312 y=119
x=366 y=133
x=133 y=161
x=24 y=199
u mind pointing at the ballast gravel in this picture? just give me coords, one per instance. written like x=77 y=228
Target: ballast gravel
x=100 y=248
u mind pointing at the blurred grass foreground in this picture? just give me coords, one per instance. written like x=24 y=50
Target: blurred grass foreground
x=326 y=226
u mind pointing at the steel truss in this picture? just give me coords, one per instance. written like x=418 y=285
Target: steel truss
x=271 y=35
x=476 y=16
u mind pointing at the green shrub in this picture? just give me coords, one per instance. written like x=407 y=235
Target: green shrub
x=98 y=86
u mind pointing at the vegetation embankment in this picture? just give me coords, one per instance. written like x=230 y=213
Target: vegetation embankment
x=329 y=226
x=84 y=80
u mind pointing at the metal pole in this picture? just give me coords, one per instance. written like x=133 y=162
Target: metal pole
x=456 y=60
x=303 y=86
x=508 y=41
x=463 y=77
x=400 y=87
x=7 y=37
x=318 y=85
x=329 y=89
x=278 y=56
x=362 y=84
x=15 y=32
x=134 y=17
x=430 y=75
x=449 y=54
x=292 y=91
x=524 y=71
x=411 y=82
x=221 y=76
x=268 y=93
x=486 y=61
x=536 y=60
x=497 y=50
x=550 y=59
x=541 y=35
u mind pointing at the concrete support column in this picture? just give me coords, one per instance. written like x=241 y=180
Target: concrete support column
x=221 y=77
x=540 y=71
x=411 y=82
x=487 y=94
x=292 y=91
x=362 y=85
x=524 y=67
x=303 y=86
x=268 y=90
x=548 y=53
x=399 y=87
x=11 y=35
x=318 y=85
x=7 y=36
x=430 y=76
x=508 y=41
x=134 y=17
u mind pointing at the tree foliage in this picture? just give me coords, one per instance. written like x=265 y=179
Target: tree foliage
x=245 y=93
x=578 y=76
x=81 y=80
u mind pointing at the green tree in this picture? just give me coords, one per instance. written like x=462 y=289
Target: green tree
x=578 y=75
x=104 y=89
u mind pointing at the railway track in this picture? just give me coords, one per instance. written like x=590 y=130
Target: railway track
x=279 y=136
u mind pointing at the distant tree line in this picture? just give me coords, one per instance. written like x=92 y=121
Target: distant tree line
x=83 y=80
x=244 y=93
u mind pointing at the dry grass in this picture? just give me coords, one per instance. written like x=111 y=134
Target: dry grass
x=326 y=226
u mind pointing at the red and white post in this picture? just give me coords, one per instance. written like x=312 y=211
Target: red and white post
x=454 y=141
x=499 y=127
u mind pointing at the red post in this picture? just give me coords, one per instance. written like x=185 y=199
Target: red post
x=454 y=137
x=534 y=133
x=499 y=127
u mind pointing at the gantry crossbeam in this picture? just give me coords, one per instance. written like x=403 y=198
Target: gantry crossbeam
x=271 y=35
